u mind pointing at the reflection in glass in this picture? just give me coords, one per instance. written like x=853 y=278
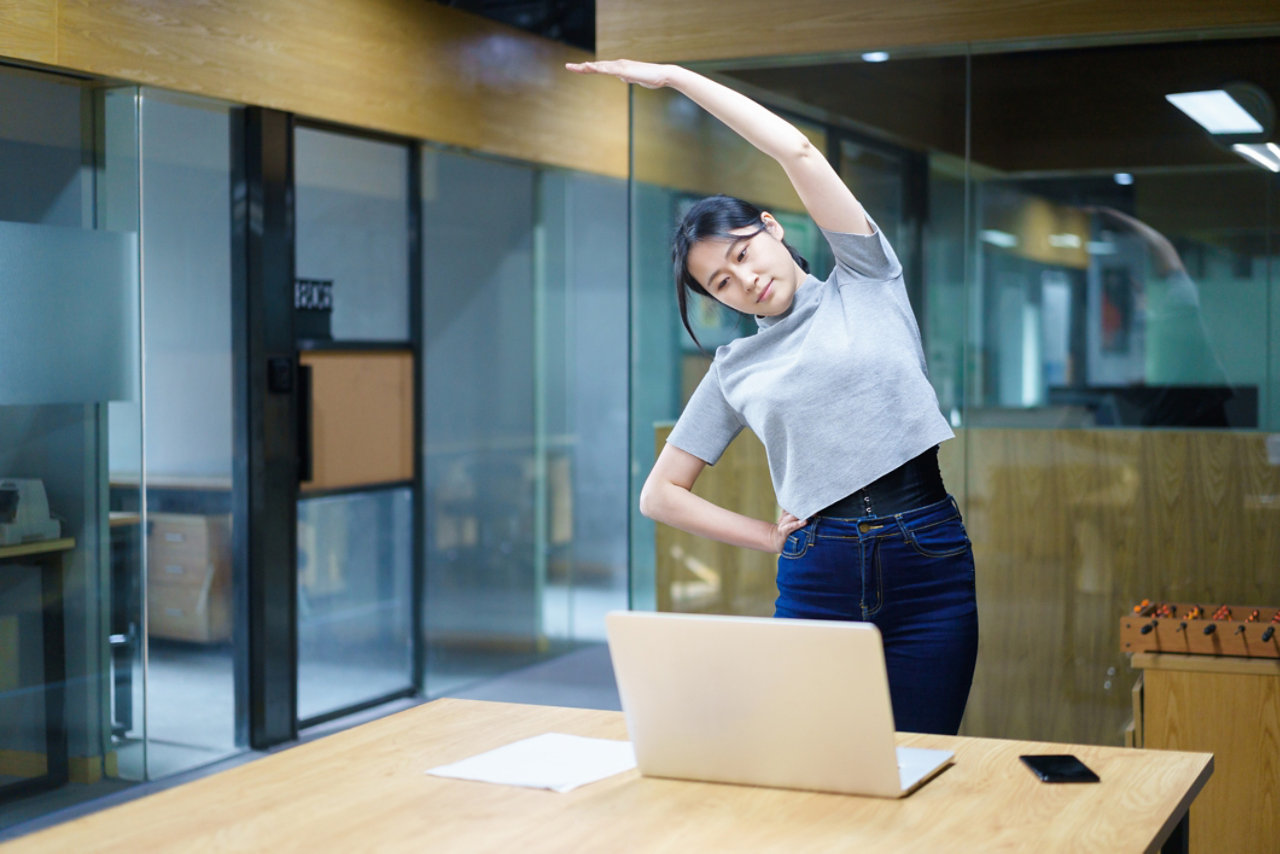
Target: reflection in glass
x=1103 y=324
x=1121 y=279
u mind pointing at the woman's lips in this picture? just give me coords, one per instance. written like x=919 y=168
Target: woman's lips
x=764 y=294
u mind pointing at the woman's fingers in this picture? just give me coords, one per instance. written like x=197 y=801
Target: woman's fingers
x=642 y=73
x=786 y=525
x=789 y=524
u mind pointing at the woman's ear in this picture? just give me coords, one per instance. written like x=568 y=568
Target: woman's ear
x=772 y=225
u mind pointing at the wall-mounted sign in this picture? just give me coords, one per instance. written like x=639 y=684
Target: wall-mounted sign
x=312 y=308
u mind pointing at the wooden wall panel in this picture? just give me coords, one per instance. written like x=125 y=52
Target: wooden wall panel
x=679 y=145
x=683 y=31
x=1070 y=529
x=703 y=576
x=29 y=30
x=400 y=66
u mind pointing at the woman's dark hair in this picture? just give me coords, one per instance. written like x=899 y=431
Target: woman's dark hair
x=715 y=217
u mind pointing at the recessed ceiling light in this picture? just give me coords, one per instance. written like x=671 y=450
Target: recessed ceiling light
x=1124 y=179
x=1267 y=156
x=997 y=238
x=875 y=56
x=1216 y=111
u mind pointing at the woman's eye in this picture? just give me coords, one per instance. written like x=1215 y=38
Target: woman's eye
x=742 y=256
x=722 y=283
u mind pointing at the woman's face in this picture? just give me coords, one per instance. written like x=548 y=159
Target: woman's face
x=754 y=274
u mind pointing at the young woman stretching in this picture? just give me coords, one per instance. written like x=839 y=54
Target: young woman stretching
x=834 y=384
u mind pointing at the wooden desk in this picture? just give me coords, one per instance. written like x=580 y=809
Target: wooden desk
x=47 y=555
x=365 y=790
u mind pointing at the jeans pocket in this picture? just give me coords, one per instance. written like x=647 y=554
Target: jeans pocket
x=796 y=545
x=941 y=539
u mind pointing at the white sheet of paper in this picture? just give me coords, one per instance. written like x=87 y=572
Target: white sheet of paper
x=552 y=760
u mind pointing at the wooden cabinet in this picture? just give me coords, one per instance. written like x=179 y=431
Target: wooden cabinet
x=1231 y=707
x=189 y=577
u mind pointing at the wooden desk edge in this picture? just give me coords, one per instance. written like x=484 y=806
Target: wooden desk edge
x=1184 y=805
x=464 y=710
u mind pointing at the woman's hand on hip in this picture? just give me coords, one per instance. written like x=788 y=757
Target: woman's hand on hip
x=786 y=526
x=646 y=74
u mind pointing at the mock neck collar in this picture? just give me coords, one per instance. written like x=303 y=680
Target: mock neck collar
x=802 y=293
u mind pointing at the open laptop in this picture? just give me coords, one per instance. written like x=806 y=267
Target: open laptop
x=797 y=704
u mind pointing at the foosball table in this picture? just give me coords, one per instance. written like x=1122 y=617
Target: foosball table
x=1211 y=682
x=1193 y=629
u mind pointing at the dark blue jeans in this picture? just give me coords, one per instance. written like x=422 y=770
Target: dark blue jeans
x=912 y=575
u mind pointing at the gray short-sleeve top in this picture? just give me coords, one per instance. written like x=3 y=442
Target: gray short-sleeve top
x=836 y=387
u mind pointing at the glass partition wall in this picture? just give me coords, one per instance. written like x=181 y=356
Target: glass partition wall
x=117 y=449
x=1122 y=367
x=120 y=582
x=69 y=284
x=524 y=320
x=186 y=467
x=1097 y=288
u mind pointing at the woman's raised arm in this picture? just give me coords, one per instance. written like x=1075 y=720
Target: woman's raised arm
x=824 y=195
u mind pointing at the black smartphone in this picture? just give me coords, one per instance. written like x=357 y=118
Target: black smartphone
x=1059 y=768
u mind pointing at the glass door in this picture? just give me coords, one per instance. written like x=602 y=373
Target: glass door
x=355 y=558
x=191 y=582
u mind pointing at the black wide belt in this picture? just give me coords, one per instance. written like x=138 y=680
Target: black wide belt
x=915 y=483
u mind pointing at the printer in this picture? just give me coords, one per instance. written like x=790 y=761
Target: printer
x=24 y=512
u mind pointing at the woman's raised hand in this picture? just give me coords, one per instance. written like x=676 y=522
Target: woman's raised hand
x=646 y=74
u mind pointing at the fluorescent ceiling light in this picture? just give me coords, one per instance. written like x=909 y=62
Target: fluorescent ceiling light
x=1065 y=241
x=1267 y=156
x=1100 y=247
x=1124 y=179
x=875 y=56
x=997 y=238
x=1216 y=111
